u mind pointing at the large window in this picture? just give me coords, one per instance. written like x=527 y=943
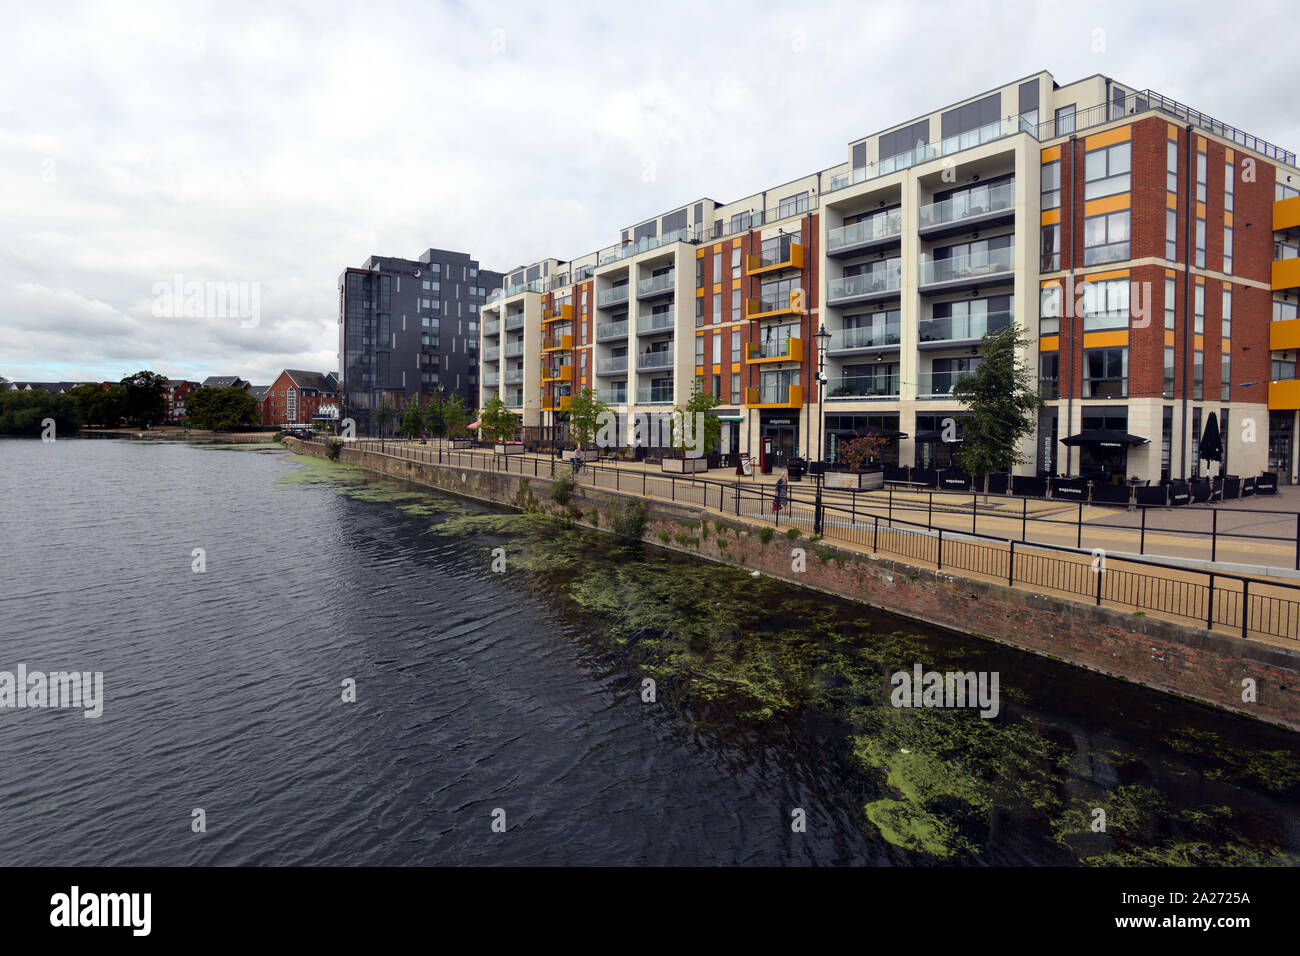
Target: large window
x=1198 y=375
x=1227 y=249
x=1201 y=173
x=1106 y=171
x=1200 y=243
x=1065 y=120
x=793 y=205
x=1225 y=378
x=1198 y=298
x=1049 y=309
x=1105 y=304
x=1171 y=166
x=1049 y=375
x=1106 y=238
x=1105 y=373
x=1051 y=187
x=1169 y=303
x=1171 y=235
x=1169 y=371
x=1229 y=176
x=1050 y=248
x=1227 y=313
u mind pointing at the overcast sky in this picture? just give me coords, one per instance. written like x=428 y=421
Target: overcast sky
x=275 y=144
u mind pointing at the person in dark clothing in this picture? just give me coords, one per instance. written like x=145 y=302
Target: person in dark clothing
x=782 y=497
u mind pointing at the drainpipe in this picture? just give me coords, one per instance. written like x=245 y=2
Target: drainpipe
x=1189 y=191
x=1069 y=312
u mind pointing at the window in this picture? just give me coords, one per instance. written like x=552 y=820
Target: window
x=1199 y=309
x=717 y=265
x=1169 y=371
x=1106 y=171
x=716 y=358
x=735 y=262
x=1227 y=249
x=735 y=305
x=735 y=388
x=1198 y=375
x=1065 y=120
x=717 y=307
x=1283 y=370
x=1200 y=243
x=1227 y=313
x=1049 y=309
x=717 y=387
x=699 y=273
x=1049 y=375
x=1166 y=441
x=699 y=350
x=1228 y=177
x=1050 y=248
x=1106 y=238
x=1282 y=191
x=735 y=346
x=1284 y=311
x=1169 y=303
x=699 y=311
x=1171 y=234
x=1225 y=378
x=1200 y=175
x=1105 y=373
x=1171 y=166
x=793 y=205
x=1051 y=184
x=1105 y=304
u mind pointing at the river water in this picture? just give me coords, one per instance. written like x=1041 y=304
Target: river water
x=516 y=696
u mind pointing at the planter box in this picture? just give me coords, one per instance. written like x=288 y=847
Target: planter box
x=461 y=443
x=686 y=466
x=855 y=481
x=508 y=448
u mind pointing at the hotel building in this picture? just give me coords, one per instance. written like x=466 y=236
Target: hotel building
x=1150 y=255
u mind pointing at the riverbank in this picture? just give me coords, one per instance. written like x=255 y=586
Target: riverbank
x=1248 y=676
x=181 y=434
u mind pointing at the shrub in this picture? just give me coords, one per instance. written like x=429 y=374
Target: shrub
x=629 y=520
x=792 y=534
x=663 y=536
x=562 y=489
x=332 y=449
x=765 y=535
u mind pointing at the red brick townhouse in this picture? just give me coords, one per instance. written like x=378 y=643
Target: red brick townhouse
x=295 y=396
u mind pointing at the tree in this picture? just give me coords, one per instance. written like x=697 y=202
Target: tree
x=435 y=415
x=499 y=423
x=24 y=413
x=862 y=450
x=454 y=416
x=695 y=425
x=1003 y=398
x=220 y=409
x=100 y=406
x=413 y=419
x=585 y=413
x=383 y=416
x=143 y=401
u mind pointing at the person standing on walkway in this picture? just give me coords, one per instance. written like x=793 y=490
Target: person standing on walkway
x=782 y=495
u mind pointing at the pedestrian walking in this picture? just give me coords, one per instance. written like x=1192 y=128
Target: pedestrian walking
x=782 y=496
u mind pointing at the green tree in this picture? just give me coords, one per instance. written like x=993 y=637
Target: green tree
x=454 y=416
x=24 y=413
x=499 y=423
x=143 y=402
x=220 y=409
x=383 y=416
x=695 y=425
x=1003 y=400
x=100 y=406
x=585 y=413
x=413 y=419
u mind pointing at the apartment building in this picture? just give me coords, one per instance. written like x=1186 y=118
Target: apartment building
x=1125 y=234
x=296 y=397
x=409 y=328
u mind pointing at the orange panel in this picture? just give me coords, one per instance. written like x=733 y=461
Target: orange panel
x=1286 y=274
x=1286 y=214
x=1051 y=154
x=1109 y=137
x=1284 y=335
x=1049 y=343
x=1110 y=204
x=1092 y=340
x=1284 y=395
x=1051 y=217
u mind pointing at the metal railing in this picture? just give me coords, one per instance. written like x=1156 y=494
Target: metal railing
x=880 y=280
x=979 y=265
x=1216 y=600
x=877 y=227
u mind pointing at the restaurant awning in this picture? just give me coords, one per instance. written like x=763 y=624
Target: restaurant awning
x=890 y=433
x=1104 y=438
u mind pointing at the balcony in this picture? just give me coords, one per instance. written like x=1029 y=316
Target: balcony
x=878 y=232
x=557 y=403
x=960 y=329
x=653 y=361
x=563 y=314
x=759 y=264
x=866 y=338
x=959 y=272
x=783 y=350
x=491 y=381
x=645 y=244
x=557 y=373
x=774 y=396
x=862 y=388
x=514 y=349
x=979 y=208
x=609 y=331
x=514 y=378
x=492 y=328
x=656 y=322
x=654 y=395
x=610 y=297
x=1286 y=214
x=612 y=366
x=558 y=343
x=874 y=286
x=656 y=285
x=937 y=384
x=1286 y=274
x=1284 y=395
x=1107 y=252
x=537 y=285
x=491 y=353
x=612 y=396
x=1284 y=335
x=792 y=303
x=514 y=322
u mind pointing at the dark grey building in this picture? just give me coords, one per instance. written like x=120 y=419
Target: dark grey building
x=409 y=327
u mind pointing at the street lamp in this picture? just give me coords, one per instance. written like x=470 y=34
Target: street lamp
x=823 y=338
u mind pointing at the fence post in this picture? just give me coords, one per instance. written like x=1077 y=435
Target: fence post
x=974 y=509
x=1297 y=542
x=891 y=506
x=1214 y=534
x=929 y=514
x=1209 y=606
x=1011 y=564
x=737 y=499
x=1024 y=518
x=1142 y=539
x=1245 y=605
x=939 y=562
x=1101 y=573
x=875 y=532
x=1078 y=538
x=643 y=484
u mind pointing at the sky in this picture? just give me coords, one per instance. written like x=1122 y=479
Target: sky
x=256 y=150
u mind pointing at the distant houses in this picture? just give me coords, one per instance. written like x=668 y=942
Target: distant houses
x=226 y=381
x=297 y=397
x=54 y=388
x=178 y=389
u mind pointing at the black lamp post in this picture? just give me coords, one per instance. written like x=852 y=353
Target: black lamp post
x=822 y=337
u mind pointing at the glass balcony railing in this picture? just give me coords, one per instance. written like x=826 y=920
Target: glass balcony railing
x=608 y=297
x=878 y=227
x=963 y=326
x=976 y=202
x=612 y=366
x=491 y=381
x=513 y=349
x=514 y=378
x=492 y=328
x=611 y=330
x=612 y=396
x=656 y=283
x=491 y=353
x=654 y=395
x=882 y=280
x=656 y=321
x=651 y=360
x=863 y=386
x=645 y=244
x=537 y=285
x=865 y=337
x=514 y=322
x=937 y=384
x=974 y=266
x=1009 y=126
